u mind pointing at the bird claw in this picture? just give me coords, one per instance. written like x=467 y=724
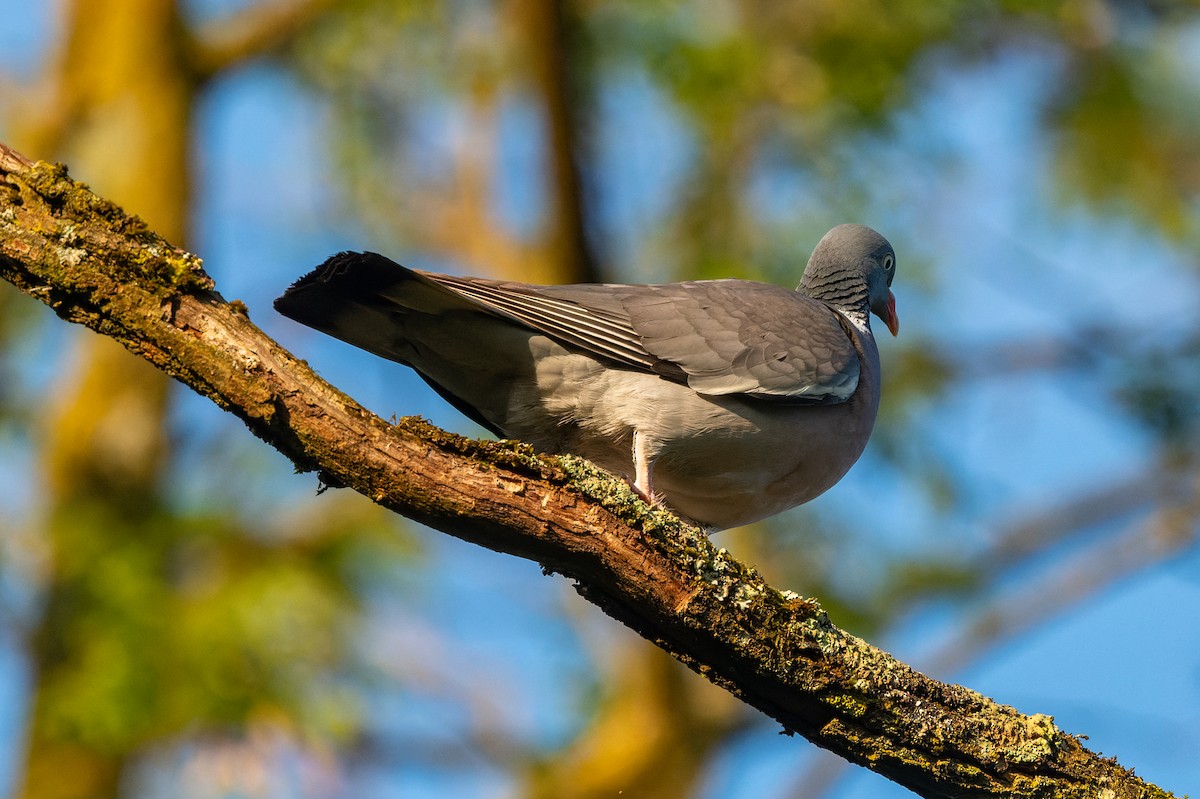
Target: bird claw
x=649 y=496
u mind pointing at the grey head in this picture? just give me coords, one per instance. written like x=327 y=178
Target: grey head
x=851 y=269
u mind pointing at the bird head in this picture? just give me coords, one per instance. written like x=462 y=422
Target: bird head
x=852 y=267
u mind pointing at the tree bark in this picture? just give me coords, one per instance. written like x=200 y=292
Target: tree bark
x=93 y=264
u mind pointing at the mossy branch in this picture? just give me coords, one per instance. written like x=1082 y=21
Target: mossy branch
x=94 y=264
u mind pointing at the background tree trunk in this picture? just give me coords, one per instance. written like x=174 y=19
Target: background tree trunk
x=125 y=118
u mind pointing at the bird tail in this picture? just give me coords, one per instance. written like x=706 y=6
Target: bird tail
x=374 y=303
x=363 y=298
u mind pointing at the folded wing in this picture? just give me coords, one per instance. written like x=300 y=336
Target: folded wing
x=720 y=337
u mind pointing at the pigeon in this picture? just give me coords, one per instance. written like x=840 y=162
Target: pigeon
x=728 y=401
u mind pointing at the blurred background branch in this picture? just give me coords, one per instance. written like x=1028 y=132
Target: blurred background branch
x=231 y=41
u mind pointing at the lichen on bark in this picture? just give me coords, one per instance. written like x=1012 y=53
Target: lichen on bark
x=66 y=215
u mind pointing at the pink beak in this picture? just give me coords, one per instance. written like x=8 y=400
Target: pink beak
x=891 y=320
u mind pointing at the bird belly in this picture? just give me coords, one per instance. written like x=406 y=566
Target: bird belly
x=761 y=465
x=719 y=461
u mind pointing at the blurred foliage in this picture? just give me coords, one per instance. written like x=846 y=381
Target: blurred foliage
x=167 y=621
x=180 y=621
x=1161 y=388
x=1126 y=115
x=795 y=91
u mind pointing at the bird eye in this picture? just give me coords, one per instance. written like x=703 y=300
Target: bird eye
x=889 y=262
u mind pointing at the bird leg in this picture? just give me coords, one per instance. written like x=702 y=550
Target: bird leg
x=641 y=468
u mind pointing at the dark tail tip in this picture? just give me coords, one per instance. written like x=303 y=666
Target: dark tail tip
x=334 y=268
x=347 y=273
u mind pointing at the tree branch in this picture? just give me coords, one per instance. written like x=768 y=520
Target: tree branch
x=93 y=264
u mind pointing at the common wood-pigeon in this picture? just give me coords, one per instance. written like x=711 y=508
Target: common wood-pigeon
x=727 y=400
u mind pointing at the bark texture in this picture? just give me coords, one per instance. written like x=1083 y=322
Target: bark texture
x=93 y=264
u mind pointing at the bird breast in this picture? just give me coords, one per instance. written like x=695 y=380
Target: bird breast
x=721 y=461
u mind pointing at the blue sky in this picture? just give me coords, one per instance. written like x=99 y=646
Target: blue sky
x=1006 y=264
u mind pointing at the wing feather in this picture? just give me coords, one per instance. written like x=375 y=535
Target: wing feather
x=721 y=337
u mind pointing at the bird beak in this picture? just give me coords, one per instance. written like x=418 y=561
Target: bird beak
x=890 y=319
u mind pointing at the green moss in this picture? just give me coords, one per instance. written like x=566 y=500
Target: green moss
x=848 y=704
x=178 y=268
x=86 y=223
x=1040 y=742
x=420 y=427
x=512 y=453
x=610 y=491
